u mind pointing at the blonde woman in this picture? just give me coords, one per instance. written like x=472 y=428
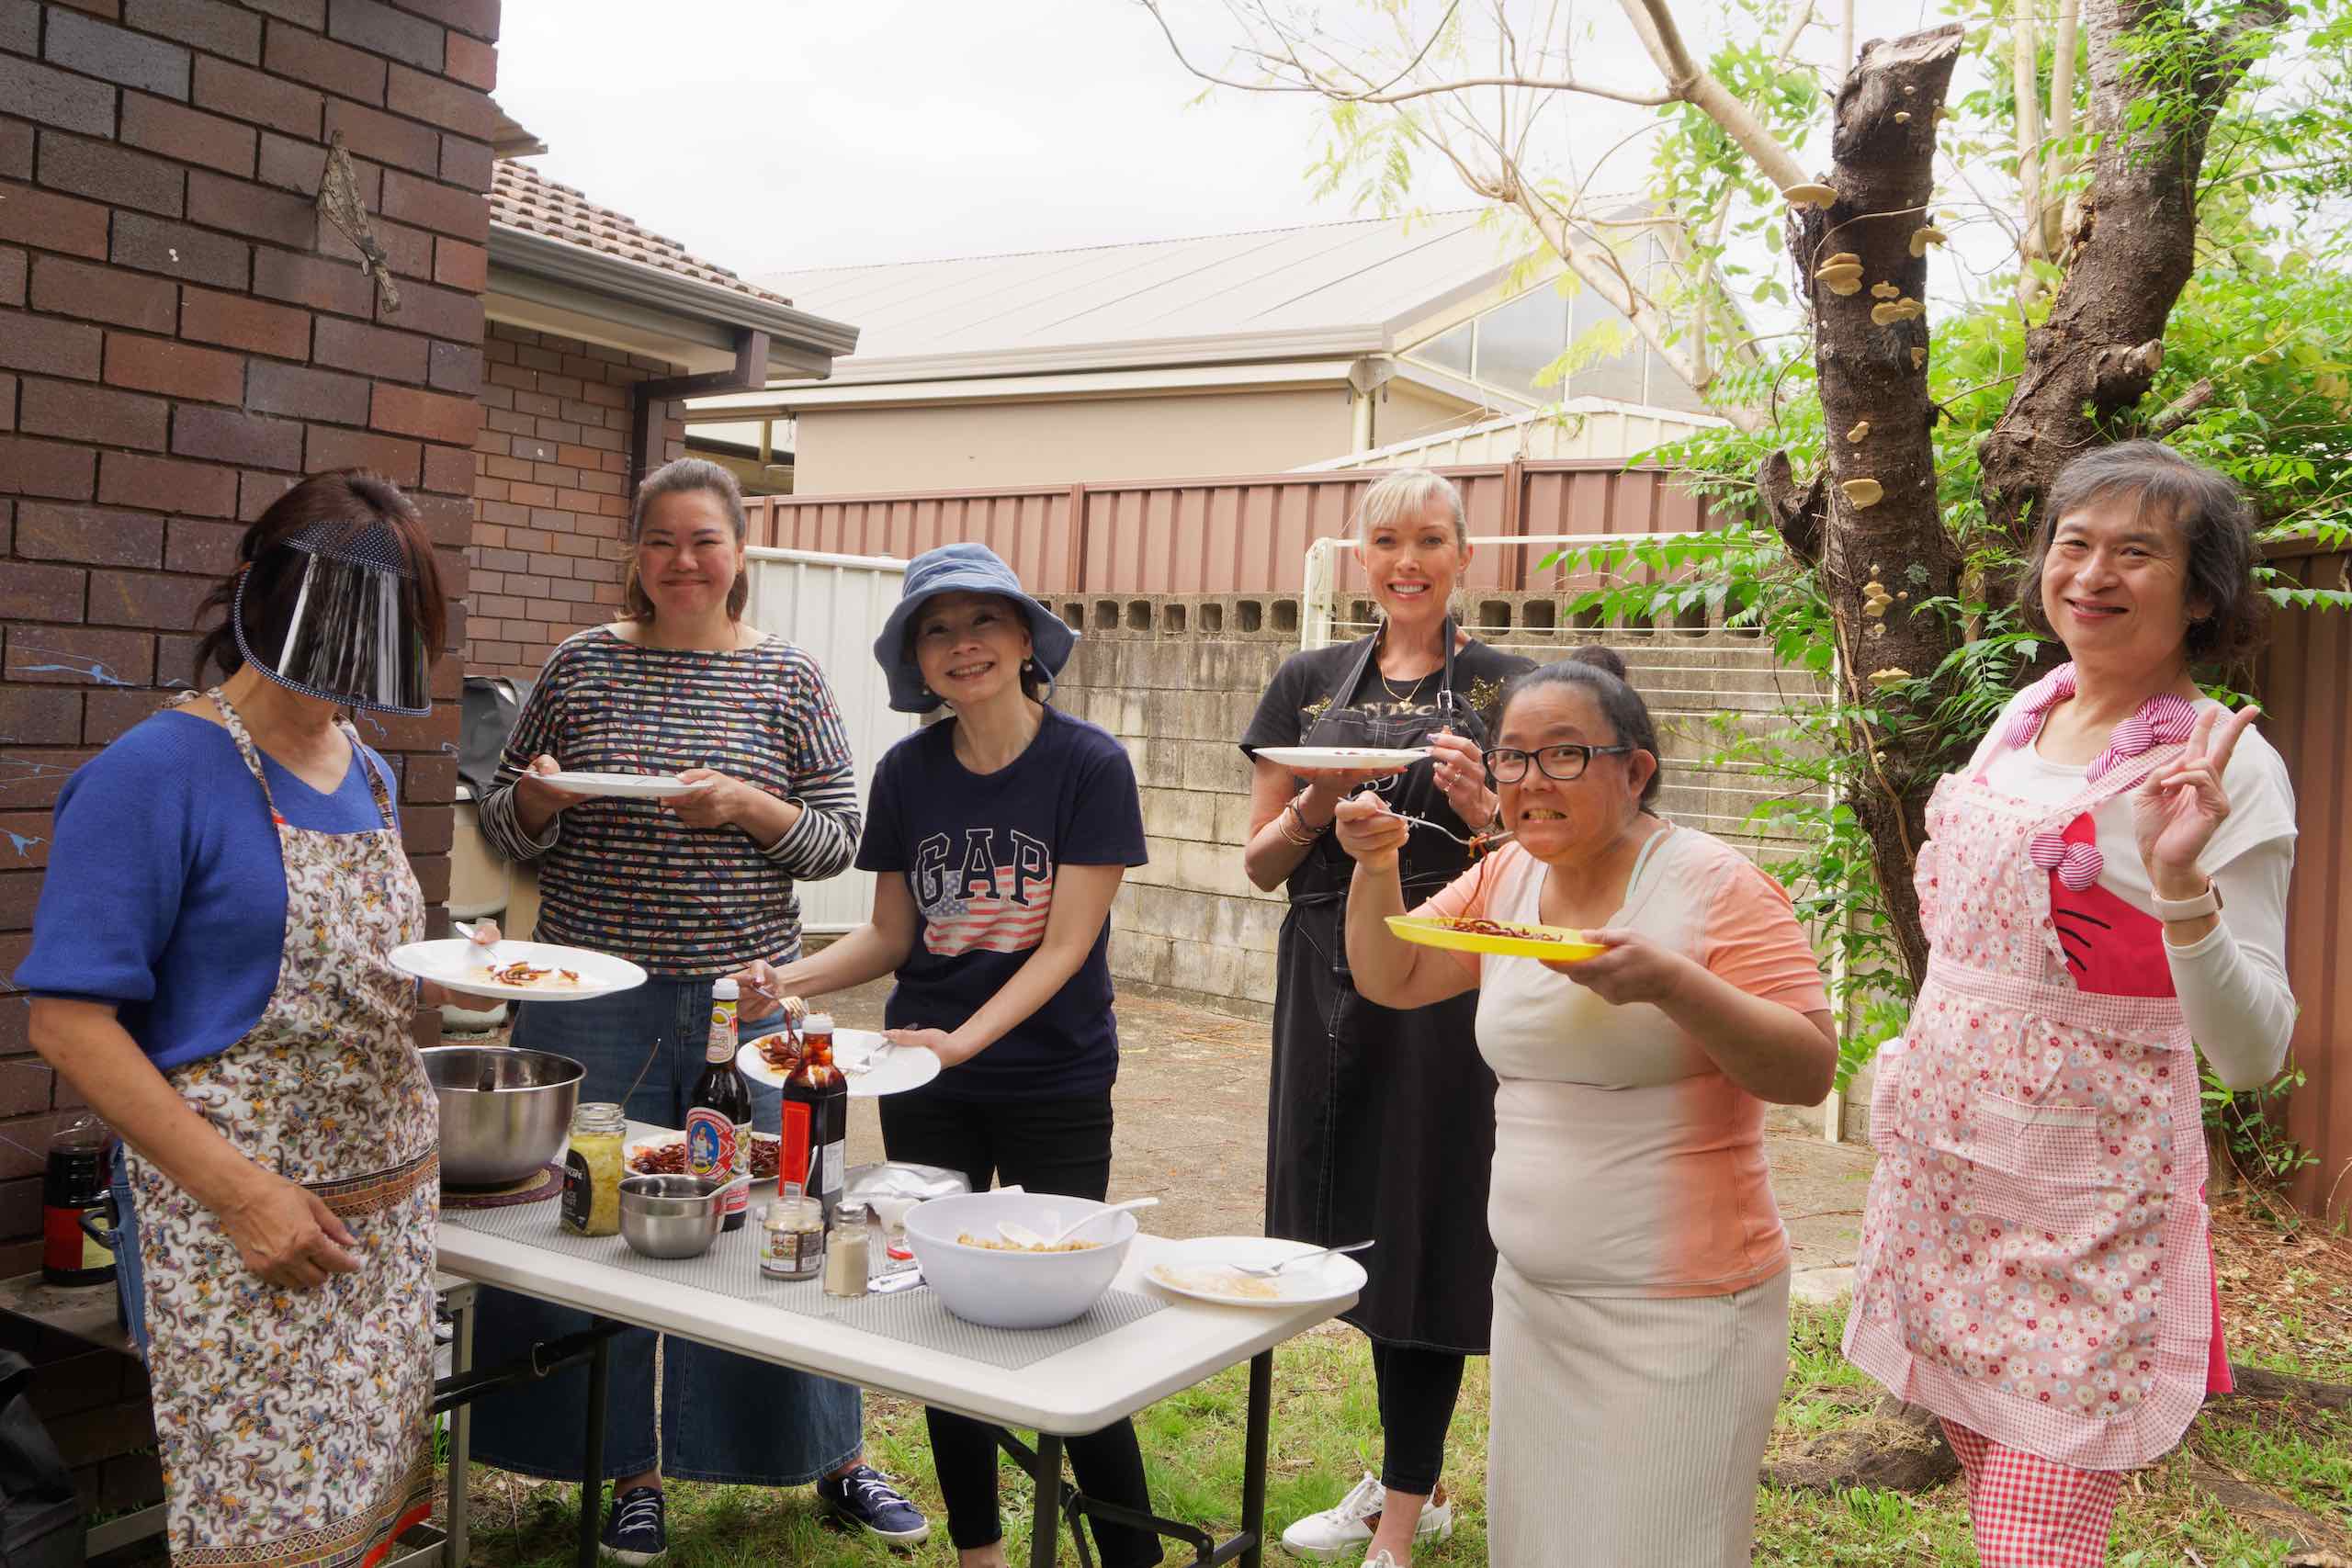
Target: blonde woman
x=1377 y=1126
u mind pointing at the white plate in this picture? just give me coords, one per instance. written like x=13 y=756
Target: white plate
x=449 y=963
x=1329 y=1279
x=1360 y=760
x=897 y=1068
x=627 y=786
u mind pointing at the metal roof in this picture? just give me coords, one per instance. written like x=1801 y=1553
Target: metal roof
x=1322 y=288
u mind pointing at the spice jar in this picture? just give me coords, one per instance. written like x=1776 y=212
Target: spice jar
x=792 y=1238
x=848 y=1252
x=592 y=1169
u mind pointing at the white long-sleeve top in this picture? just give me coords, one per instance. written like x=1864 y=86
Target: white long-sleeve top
x=2232 y=982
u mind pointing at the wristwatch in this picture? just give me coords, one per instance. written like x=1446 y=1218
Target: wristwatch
x=2171 y=910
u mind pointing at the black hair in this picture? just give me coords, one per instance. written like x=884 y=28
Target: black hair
x=339 y=495
x=1600 y=669
x=2214 y=522
x=1034 y=686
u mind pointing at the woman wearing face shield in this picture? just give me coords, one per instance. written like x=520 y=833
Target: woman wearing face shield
x=211 y=971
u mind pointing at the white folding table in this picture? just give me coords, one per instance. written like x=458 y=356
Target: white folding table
x=1068 y=1394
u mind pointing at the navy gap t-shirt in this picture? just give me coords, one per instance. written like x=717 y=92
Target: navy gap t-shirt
x=980 y=852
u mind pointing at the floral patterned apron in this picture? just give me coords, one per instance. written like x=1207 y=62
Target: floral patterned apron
x=2035 y=1260
x=295 y=1425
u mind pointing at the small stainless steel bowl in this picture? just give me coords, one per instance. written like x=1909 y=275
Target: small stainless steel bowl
x=671 y=1216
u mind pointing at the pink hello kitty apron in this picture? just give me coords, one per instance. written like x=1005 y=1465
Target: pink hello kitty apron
x=2036 y=1262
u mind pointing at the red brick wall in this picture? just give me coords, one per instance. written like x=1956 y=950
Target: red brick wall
x=181 y=338
x=551 y=493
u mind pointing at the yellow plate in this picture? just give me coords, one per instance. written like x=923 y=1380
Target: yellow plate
x=1430 y=931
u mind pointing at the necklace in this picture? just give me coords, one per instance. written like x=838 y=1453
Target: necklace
x=1409 y=693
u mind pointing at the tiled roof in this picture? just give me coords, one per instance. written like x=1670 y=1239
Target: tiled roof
x=521 y=198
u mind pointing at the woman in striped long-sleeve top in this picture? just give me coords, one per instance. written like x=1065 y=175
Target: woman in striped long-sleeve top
x=692 y=887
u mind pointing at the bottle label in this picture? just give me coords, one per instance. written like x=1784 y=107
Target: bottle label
x=835 y=1166
x=721 y=1045
x=95 y=1254
x=579 y=1193
x=710 y=1143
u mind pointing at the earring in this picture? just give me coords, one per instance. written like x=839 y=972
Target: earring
x=1029 y=664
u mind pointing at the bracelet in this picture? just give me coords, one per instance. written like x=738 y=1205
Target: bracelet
x=1305 y=833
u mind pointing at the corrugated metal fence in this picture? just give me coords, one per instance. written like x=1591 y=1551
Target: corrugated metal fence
x=1245 y=534
x=2307 y=718
x=832 y=605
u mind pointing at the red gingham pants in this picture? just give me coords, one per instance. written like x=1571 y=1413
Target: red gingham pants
x=2030 y=1512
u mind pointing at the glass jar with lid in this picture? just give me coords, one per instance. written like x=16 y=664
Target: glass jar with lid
x=592 y=1169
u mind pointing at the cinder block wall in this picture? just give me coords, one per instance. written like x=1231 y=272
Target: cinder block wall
x=1177 y=678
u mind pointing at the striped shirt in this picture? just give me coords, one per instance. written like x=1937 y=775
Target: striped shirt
x=627 y=876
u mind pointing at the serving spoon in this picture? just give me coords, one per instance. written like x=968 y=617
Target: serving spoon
x=1022 y=1235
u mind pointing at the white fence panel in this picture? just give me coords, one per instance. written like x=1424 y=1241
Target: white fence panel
x=833 y=607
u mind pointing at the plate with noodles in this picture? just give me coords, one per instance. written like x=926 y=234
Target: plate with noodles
x=1500 y=939
x=518 y=971
x=664 y=1154
x=1203 y=1270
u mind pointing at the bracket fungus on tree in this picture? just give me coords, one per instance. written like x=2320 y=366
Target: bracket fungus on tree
x=1924 y=236
x=1810 y=195
x=1863 y=492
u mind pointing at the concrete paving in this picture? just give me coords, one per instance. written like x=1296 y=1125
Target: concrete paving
x=1191 y=1129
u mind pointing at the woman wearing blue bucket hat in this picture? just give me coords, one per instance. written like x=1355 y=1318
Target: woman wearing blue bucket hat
x=999 y=837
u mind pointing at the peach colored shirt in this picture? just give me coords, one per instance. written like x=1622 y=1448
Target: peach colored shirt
x=1626 y=1164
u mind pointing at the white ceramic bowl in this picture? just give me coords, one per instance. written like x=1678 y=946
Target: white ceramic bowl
x=1015 y=1290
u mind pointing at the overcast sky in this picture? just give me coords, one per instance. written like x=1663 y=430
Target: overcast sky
x=773 y=134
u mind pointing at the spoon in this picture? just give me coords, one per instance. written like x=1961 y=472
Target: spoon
x=1265 y=1272
x=1022 y=1235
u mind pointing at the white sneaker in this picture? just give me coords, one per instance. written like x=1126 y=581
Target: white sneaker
x=1344 y=1529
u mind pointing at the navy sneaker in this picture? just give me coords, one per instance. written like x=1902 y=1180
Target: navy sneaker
x=634 y=1531
x=865 y=1498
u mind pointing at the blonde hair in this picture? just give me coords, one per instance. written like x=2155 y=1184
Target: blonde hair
x=1403 y=496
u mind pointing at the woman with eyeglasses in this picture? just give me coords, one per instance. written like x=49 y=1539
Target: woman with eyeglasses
x=1641 y=1294
x=1377 y=1126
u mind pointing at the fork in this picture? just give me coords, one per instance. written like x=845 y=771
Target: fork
x=1473 y=842
x=1267 y=1271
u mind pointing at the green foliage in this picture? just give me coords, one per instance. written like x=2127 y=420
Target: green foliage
x=2273 y=343
x=2260 y=1150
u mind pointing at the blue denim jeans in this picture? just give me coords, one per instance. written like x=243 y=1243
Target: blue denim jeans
x=724 y=1417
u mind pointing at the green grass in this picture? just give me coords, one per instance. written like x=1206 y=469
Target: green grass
x=1326 y=1433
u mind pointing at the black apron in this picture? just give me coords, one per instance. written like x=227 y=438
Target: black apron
x=1382 y=1124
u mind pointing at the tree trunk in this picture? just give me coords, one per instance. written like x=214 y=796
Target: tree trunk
x=1879 y=555
x=2132 y=250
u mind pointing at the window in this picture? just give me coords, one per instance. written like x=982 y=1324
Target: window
x=1518 y=339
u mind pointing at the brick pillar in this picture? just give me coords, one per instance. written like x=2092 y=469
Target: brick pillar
x=181 y=339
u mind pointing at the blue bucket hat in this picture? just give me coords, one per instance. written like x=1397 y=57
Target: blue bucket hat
x=961 y=569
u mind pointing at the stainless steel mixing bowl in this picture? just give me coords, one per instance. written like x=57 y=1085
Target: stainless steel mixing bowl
x=672 y=1216
x=505 y=1112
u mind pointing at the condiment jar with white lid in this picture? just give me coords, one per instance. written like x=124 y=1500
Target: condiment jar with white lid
x=848 y=1252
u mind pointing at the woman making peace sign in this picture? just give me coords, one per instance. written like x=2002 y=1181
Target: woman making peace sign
x=2105 y=882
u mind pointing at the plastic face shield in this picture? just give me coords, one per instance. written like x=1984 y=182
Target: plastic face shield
x=349 y=639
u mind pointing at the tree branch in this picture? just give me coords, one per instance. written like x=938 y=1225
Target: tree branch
x=1653 y=24
x=2061 y=168
x=1309 y=80
x=1798 y=509
x=2180 y=411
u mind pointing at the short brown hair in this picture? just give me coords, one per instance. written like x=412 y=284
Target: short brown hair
x=680 y=478
x=340 y=495
x=2214 y=521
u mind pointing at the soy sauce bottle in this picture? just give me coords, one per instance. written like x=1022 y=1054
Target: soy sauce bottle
x=815 y=1130
x=78 y=1210
x=718 y=1115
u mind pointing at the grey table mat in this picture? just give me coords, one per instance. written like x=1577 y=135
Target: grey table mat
x=731 y=1268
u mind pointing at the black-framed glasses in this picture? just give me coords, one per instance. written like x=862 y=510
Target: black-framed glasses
x=1565 y=763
